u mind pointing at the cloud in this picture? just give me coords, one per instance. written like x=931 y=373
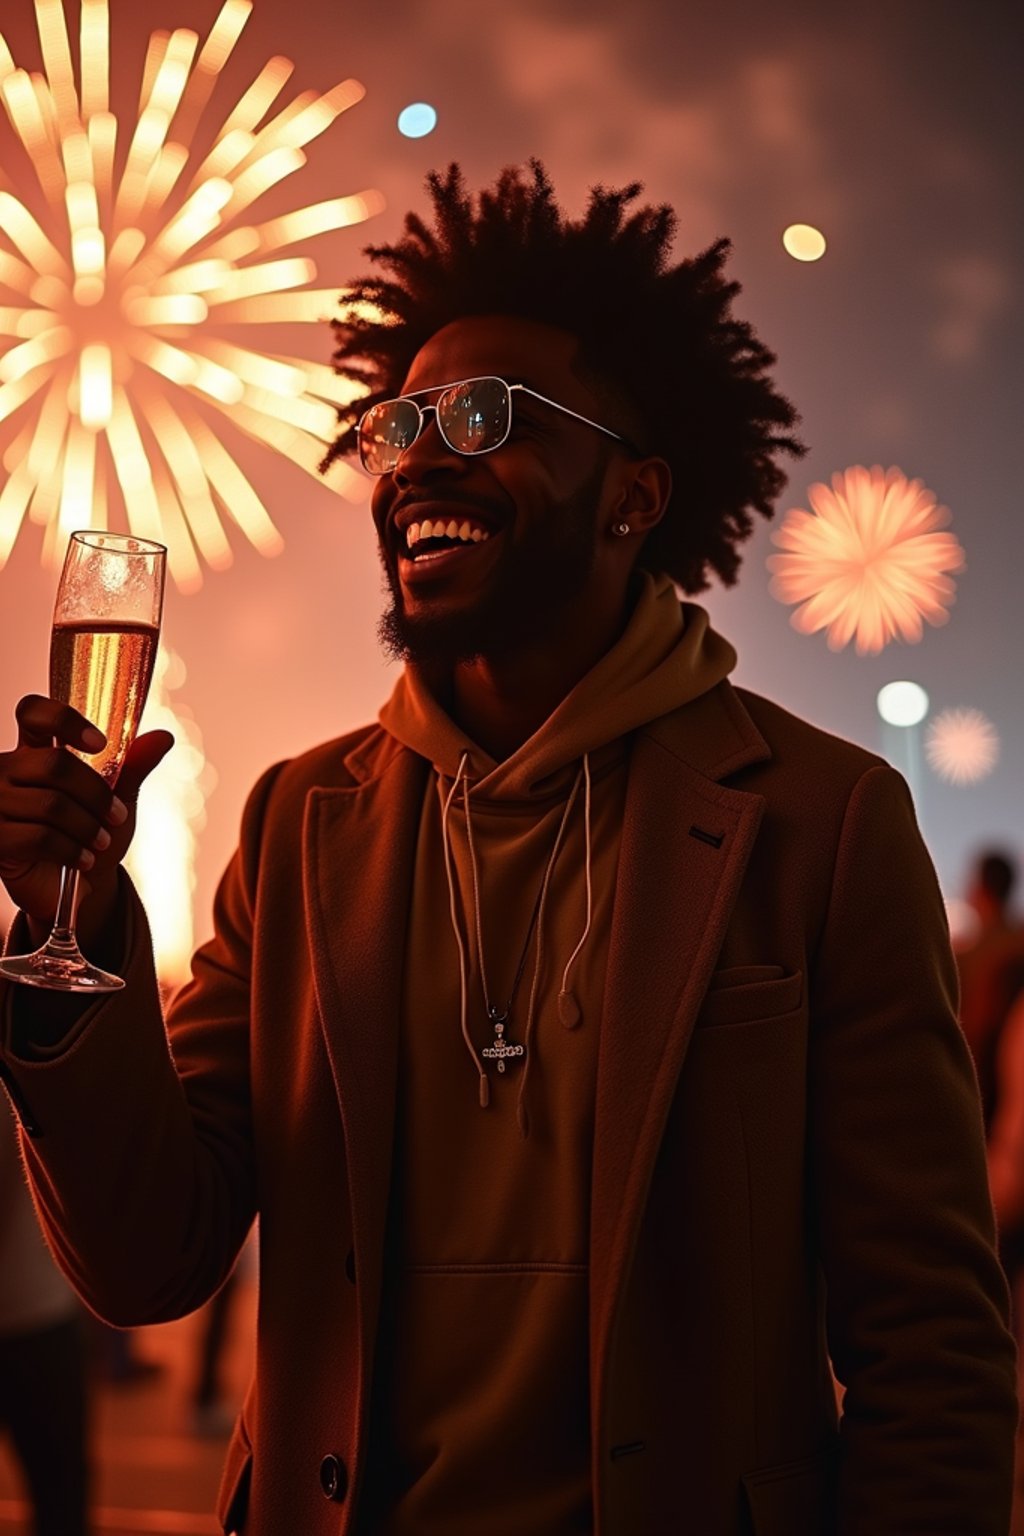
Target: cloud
x=974 y=291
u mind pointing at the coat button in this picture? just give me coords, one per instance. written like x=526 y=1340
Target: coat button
x=333 y=1478
x=350 y=1265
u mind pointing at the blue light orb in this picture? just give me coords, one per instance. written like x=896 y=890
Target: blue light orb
x=417 y=120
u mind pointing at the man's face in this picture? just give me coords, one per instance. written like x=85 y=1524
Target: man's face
x=534 y=506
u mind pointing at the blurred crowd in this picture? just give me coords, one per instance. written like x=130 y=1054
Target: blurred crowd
x=53 y=1354
x=990 y=959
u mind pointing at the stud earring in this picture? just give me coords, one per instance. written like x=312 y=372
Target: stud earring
x=620 y=529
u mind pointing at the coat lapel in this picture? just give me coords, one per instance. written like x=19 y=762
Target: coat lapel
x=686 y=840
x=359 y=850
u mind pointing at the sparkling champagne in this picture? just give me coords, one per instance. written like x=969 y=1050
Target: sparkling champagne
x=103 y=670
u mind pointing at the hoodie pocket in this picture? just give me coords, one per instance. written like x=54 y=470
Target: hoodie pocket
x=793 y=1497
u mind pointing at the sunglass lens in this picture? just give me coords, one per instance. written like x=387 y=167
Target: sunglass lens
x=474 y=415
x=385 y=432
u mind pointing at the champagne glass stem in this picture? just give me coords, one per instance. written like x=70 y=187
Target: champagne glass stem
x=63 y=934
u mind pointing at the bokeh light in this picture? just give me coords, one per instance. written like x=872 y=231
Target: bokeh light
x=867 y=562
x=417 y=120
x=902 y=703
x=120 y=301
x=804 y=242
x=171 y=812
x=962 y=745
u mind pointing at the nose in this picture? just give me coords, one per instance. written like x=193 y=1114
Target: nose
x=427 y=455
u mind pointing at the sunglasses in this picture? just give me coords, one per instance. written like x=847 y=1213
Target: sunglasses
x=473 y=416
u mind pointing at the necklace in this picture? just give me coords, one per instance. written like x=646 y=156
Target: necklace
x=503 y=1049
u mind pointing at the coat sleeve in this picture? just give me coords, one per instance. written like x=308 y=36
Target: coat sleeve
x=139 y=1152
x=916 y=1301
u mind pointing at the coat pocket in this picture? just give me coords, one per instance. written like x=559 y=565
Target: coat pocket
x=736 y=997
x=796 y=1498
x=233 y=1498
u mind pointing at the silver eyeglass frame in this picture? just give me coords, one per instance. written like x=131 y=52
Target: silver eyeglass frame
x=469 y=453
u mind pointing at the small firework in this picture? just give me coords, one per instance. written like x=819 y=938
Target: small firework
x=962 y=745
x=868 y=563
x=120 y=296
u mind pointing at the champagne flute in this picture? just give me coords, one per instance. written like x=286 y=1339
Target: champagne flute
x=106 y=625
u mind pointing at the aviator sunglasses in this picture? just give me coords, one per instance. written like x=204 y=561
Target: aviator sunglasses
x=473 y=416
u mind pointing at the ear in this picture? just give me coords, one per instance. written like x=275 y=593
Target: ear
x=642 y=495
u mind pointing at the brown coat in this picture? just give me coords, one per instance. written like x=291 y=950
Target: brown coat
x=788 y=1159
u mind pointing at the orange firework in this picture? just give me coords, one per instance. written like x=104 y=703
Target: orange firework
x=962 y=745
x=868 y=563
x=119 y=301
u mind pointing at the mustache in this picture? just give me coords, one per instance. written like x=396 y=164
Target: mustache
x=420 y=496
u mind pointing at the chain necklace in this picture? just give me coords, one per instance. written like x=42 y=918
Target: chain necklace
x=503 y=1049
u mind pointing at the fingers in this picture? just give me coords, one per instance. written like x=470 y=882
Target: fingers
x=144 y=754
x=41 y=721
x=27 y=843
x=52 y=772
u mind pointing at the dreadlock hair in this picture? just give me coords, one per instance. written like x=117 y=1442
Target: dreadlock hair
x=658 y=342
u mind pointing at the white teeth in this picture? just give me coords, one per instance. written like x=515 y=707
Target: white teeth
x=469 y=533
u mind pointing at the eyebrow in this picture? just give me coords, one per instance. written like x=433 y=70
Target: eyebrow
x=507 y=378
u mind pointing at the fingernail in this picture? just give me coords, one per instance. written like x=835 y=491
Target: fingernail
x=86 y=860
x=118 y=812
x=101 y=840
x=92 y=739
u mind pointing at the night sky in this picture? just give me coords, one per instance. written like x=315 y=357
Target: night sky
x=893 y=128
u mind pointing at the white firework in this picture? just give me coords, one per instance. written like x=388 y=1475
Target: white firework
x=120 y=297
x=962 y=745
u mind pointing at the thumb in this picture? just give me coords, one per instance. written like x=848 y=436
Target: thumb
x=144 y=754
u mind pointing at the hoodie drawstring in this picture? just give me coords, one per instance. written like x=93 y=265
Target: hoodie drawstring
x=485 y=1086
x=568 y=1007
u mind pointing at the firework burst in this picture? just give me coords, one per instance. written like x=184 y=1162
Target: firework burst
x=868 y=563
x=962 y=745
x=121 y=294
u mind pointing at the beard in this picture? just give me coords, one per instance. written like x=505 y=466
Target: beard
x=525 y=599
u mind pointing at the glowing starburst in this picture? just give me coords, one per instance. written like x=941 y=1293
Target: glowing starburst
x=121 y=293
x=962 y=745
x=868 y=561
x=172 y=811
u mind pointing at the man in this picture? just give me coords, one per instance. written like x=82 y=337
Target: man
x=583 y=1033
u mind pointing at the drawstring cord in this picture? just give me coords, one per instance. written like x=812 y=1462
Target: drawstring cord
x=522 y=1117
x=485 y=1086
x=568 y=1006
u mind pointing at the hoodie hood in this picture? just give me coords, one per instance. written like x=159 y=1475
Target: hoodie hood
x=667 y=655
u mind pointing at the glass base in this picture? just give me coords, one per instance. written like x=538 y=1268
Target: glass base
x=69 y=972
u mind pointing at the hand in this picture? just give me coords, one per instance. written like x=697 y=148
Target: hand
x=55 y=810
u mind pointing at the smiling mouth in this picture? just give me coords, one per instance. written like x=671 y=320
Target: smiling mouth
x=433 y=538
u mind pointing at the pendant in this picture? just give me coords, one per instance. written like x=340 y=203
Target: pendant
x=502 y=1048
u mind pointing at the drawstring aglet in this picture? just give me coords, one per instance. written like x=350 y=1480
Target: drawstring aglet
x=485 y=1090
x=568 y=1009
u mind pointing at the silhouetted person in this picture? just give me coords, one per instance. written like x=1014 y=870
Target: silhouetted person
x=43 y=1376
x=583 y=1031
x=996 y=940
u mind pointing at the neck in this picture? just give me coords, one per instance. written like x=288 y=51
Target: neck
x=501 y=701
